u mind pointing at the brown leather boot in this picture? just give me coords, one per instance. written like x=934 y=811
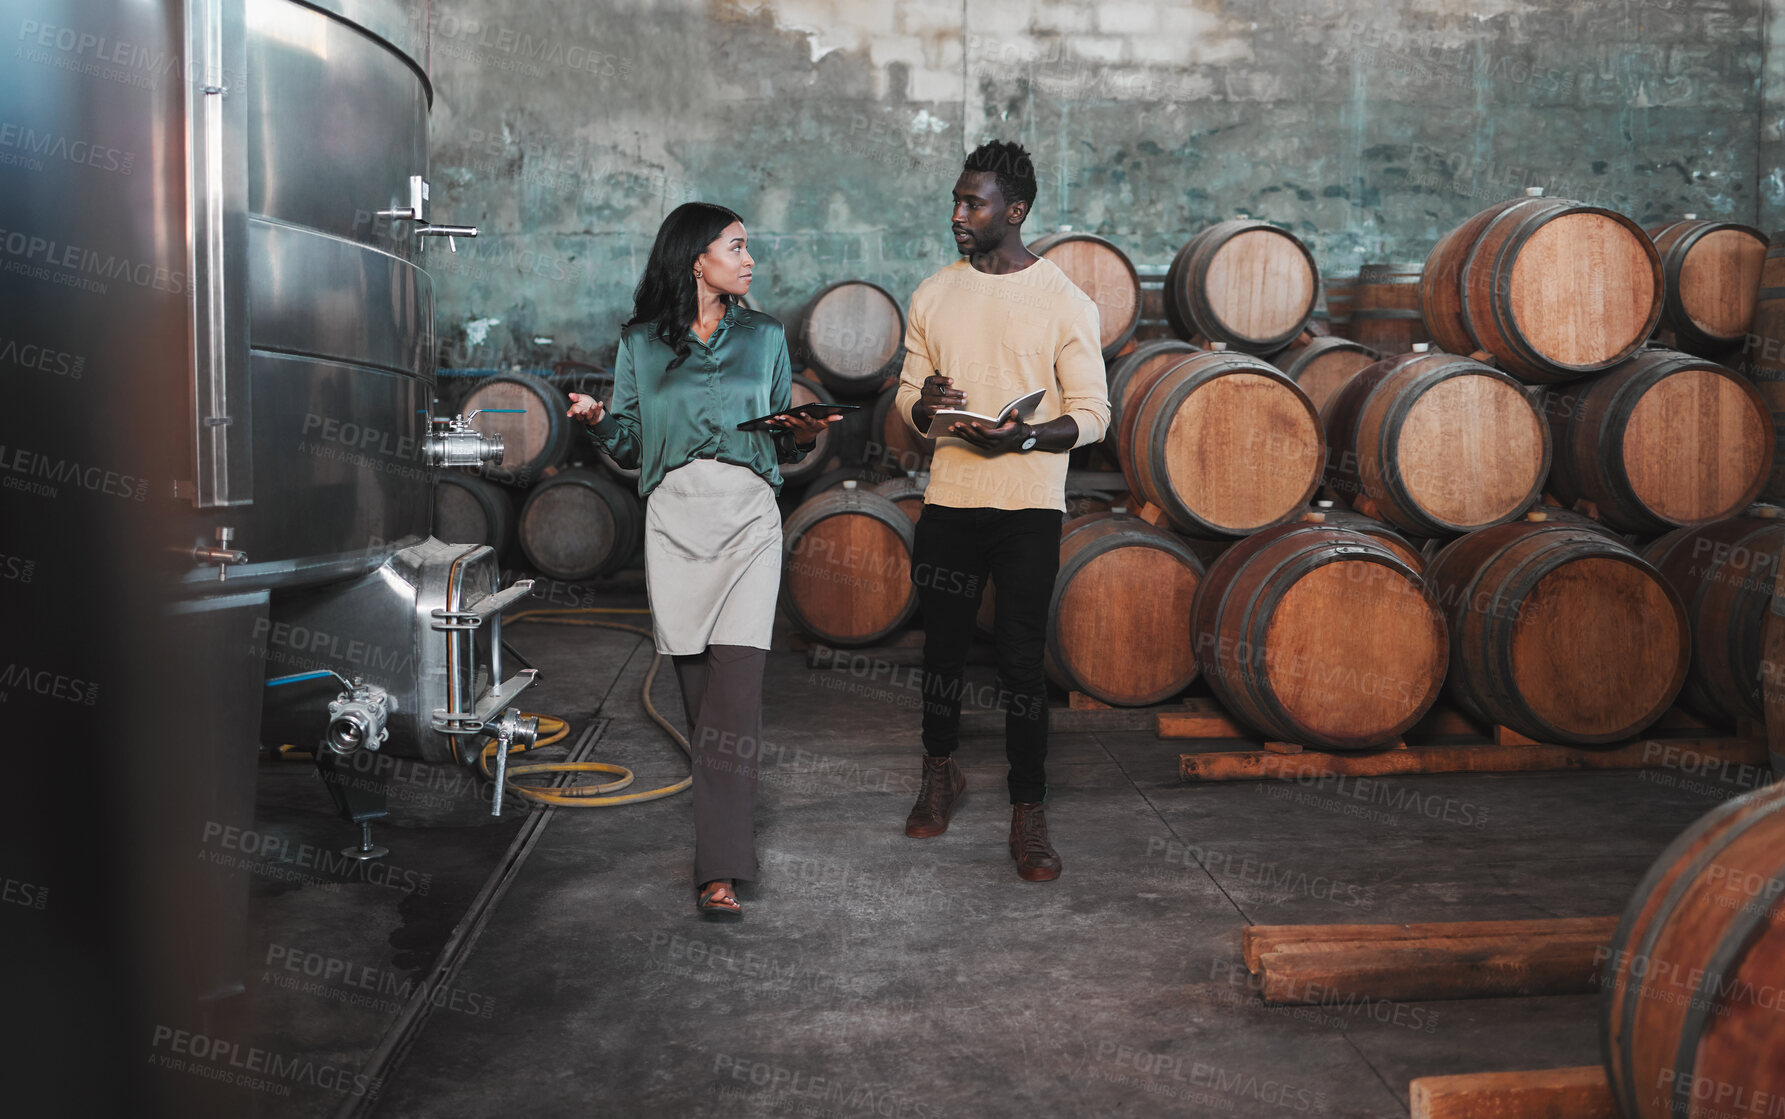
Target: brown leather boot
x=943 y=784
x=1036 y=859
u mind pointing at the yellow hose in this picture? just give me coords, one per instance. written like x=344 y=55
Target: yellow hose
x=586 y=796
x=554 y=729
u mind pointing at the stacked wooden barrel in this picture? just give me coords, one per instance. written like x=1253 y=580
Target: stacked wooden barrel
x=1559 y=632
x=846 y=567
x=1663 y=440
x=851 y=336
x=472 y=510
x=1246 y=283
x=894 y=446
x=1435 y=444
x=1384 y=312
x=1120 y=610
x=1724 y=572
x=1688 y=1021
x=1322 y=365
x=578 y=524
x=905 y=491
x=1103 y=272
x=805 y=390
x=1222 y=442
x=528 y=413
x=1321 y=636
x=1553 y=289
x=1763 y=356
x=1713 y=280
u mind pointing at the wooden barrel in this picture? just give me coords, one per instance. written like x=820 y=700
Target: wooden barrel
x=1245 y=283
x=1724 y=573
x=471 y=510
x=1559 y=632
x=805 y=390
x=1118 y=622
x=1385 y=308
x=1691 y=982
x=1553 y=289
x=831 y=479
x=893 y=447
x=535 y=438
x=905 y=491
x=1224 y=443
x=577 y=525
x=1437 y=444
x=1337 y=294
x=1319 y=636
x=1328 y=513
x=1104 y=273
x=1152 y=322
x=1137 y=369
x=1663 y=440
x=1080 y=503
x=1713 y=277
x=1763 y=357
x=846 y=567
x=851 y=335
x=1321 y=365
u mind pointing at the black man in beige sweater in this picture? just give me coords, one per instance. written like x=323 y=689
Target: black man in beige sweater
x=994 y=325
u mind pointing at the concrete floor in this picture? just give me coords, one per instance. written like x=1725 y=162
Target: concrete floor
x=875 y=975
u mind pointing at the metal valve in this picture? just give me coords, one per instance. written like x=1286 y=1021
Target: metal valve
x=456 y=443
x=222 y=555
x=357 y=718
x=417 y=212
x=510 y=729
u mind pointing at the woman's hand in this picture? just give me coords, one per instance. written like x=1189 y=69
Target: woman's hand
x=585 y=408
x=806 y=429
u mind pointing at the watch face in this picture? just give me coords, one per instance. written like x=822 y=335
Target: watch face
x=1029 y=443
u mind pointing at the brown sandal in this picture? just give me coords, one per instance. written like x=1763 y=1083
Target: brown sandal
x=711 y=900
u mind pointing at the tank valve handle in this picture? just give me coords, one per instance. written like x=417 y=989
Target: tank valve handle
x=510 y=730
x=454 y=442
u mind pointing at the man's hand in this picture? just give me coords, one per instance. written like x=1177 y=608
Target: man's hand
x=585 y=408
x=1007 y=436
x=938 y=393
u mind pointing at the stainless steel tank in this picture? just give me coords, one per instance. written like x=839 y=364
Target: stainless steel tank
x=314 y=447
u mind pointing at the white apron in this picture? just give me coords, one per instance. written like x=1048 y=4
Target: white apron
x=712 y=557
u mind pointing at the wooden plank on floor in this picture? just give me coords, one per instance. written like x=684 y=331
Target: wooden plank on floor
x=1256 y=940
x=1198 y=718
x=1067 y=720
x=1561 y=1093
x=1265 y=765
x=1422 y=970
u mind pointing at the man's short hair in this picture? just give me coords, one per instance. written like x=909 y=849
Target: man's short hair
x=1013 y=166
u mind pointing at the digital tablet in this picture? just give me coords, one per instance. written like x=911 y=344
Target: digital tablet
x=815 y=410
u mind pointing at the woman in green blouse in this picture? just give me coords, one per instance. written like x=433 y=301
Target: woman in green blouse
x=692 y=365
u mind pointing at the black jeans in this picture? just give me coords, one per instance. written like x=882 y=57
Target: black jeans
x=956 y=550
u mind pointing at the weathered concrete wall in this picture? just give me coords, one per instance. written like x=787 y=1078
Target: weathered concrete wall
x=568 y=129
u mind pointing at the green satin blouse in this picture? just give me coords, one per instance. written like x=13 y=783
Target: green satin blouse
x=662 y=418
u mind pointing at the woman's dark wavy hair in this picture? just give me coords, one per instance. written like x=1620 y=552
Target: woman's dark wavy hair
x=666 y=297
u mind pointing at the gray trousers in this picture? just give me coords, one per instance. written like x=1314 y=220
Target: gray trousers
x=722 y=697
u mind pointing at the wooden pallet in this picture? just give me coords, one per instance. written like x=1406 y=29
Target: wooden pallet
x=1560 y=1093
x=1313 y=964
x=1446 y=741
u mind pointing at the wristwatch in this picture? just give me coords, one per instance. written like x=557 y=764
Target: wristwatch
x=1029 y=438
